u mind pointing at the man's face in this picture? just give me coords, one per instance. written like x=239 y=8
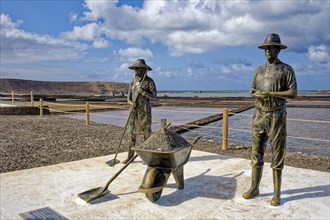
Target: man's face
x=272 y=52
x=139 y=72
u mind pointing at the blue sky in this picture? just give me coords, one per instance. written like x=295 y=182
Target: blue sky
x=191 y=45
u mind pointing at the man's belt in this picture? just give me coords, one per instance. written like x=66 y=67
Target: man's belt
x=270 y=109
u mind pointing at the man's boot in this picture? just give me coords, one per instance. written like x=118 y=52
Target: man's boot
x=277 y=179
x=130 y=155
x=254 y=189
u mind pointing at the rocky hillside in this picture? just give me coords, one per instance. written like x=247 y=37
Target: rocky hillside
x=64 y=88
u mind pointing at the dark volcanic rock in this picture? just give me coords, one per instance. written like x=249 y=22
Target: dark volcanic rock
x=53 y=88
x=34 y=141
x=22 y=110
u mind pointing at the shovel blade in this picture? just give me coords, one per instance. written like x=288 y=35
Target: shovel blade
x=93 y=194
x=113 y=162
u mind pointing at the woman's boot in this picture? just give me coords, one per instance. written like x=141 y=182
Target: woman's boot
x=254 y=189
x=277 y=179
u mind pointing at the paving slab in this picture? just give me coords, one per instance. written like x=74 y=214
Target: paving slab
x=213 y=188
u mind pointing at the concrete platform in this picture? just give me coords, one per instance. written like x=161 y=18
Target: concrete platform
x=213 y=188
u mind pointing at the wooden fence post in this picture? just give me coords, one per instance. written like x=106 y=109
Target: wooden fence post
x=41 y=107
x=225 y=129
x=87 y=113
x=12 y=97
x=31 y=95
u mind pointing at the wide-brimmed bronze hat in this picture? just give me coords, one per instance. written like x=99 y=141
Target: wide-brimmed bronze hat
x=272 y=40
x=140 y=63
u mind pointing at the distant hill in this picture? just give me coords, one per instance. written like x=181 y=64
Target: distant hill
x=64 y=88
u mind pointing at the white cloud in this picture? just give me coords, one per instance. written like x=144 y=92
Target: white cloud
x=73 y=17
x=181 y=42
x=184 y=27
x=133 y=53
x=127 y=57
x=7 y=24
x=318 y=53
x=97 y=9
x=92 y=32
x=122 y=73
x=87 y=32
x=203 y=74
x=167 y=74
x=100 y=43
x=200 y=26
x=18 y=46
x=191 y=26
x=124 y=66
x=312 y=70
x=59 y=72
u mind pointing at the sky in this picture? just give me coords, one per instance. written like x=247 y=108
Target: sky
x=189 y=44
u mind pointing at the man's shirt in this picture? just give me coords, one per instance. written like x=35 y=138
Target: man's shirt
x=275 y=77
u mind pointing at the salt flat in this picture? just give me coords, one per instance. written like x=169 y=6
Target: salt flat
x=6 y=105
x=213 y=188
x=174 y=115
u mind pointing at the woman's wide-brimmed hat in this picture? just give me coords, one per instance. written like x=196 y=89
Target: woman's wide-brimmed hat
x=272 y=40
x=140 y=63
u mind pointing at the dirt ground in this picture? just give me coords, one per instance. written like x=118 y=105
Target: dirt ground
x=34 y=141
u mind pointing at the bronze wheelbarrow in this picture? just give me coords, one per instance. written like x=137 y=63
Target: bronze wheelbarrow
x=161 y=163
x=160 y=166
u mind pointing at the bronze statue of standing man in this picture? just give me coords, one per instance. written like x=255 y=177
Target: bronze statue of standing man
x=141 y=89
x=273 y=83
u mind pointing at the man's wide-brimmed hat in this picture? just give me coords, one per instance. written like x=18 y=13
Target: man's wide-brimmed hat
x=272 y=40
x=140 y=63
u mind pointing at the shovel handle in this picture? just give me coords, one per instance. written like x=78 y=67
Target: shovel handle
x=130 y=114
x=119 y=171
x=122 y=136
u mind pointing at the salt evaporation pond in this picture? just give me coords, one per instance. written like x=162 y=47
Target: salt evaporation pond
x=174 y=115
x=239 y=125
x=318 y=128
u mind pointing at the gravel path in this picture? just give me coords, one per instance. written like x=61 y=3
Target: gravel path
x=34 y=141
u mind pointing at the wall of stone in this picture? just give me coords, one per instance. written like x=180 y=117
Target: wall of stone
x=22 y=110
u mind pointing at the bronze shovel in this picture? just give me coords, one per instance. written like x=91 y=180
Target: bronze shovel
x=101 y=191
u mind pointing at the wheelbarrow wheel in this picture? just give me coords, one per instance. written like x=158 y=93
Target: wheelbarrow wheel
x=153 y=197
x=157 y=180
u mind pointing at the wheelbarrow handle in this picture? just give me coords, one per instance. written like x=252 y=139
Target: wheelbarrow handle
x=196 y=139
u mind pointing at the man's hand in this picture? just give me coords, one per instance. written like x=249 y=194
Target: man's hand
x=141 y=91
x=257 y=94
x=289 y=94
x=266 y=94
x=132 y=105
x=261 y=95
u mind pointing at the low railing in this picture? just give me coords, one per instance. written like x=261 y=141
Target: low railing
x=87 y=107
